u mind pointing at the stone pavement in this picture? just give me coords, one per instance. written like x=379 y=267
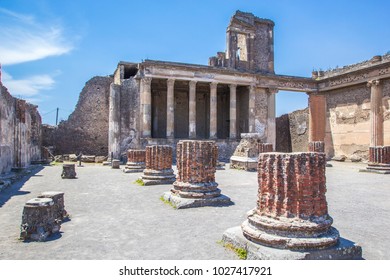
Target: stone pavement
x=113 y=218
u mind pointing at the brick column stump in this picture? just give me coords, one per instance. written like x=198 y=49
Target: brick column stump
x=379 y=160
x=59 y=205
x=39 y=220
x=68 y=171
x=291 y=219
x=195 y=184
x=115 y=164
x=158 y=165
x=265 y=148
x=135 y=161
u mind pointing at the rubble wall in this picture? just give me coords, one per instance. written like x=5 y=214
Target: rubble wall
x=20 y=132
x=86 y=129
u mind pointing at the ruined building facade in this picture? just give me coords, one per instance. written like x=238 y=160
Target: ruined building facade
x=20 y=132
x=159 y=102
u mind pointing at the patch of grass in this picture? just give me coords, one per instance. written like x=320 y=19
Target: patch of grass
x=240 y=252
x=55 y=163
x=167 y=202
x=139 y=182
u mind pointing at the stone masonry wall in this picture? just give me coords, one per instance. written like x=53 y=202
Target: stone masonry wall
x=20 y=132
x=86 y=129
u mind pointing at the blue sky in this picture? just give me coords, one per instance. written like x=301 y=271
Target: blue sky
x=50 y=49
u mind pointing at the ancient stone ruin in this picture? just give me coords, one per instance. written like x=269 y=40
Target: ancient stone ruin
x=115 y=164
x=59 y=205
x=291 y=220
x=195 y=184
x=68 y=171
x=158 y=165
x=40 y=219
x=135 y=161
x=379 y=160
x=246 y=153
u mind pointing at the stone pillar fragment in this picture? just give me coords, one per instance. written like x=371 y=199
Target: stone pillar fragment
x=195 y=184
x=158 y=165
x=146 y=106
x=291 y=219
x=317 y=117
x=58 y=206
x=192 y=110
x=376 y=114
x=39 y=220
x=251 y=113
x=213 y=110
x=317 y=146
x=271 y=122
x=114 y=121
x=135 y=161
x=68 y=171
x=170 y=109
x=379 y=160
x=233 y=111
x=115 y=164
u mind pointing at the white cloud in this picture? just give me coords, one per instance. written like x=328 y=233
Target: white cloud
x=23 y=39
x=29 y=88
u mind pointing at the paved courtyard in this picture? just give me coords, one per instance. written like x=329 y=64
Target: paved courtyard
x=113 y=218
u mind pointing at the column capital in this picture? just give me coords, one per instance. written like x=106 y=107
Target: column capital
x=193 y=83
x=213 y=85
x=373 y=83
x=272 y=90
x=147 y=80
x=170 y=82
x=232 y=86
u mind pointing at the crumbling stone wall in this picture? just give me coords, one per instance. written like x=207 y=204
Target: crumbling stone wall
x=283 y=136
x=86 y=129
x=20 y=132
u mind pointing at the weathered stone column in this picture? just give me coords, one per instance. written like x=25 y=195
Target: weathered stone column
x=317 y=117
x=59 y=204
x=146 y=106
x=39 y=220
x=135 y=161
x=376 y=114
x=265 y=148
x=68 y=171
x=114 y=121
x=170 y=108
x=317 y=146
x=271 y=122
x=233 y=111
x=379 y=160
x=291 y=212
x=213 y=110
x=251 y=113
x=192 y=110
x=158 y=165
x=195 y=184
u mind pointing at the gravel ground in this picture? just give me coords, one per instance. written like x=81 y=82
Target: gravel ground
x=114 y=218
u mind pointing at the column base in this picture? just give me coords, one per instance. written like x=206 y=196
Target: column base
x=243 y=163
x=158 y=177
x=182 y=203
x=134 y=167
x=378 y=169
x=343 y=250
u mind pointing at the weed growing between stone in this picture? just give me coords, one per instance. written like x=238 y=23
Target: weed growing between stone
x=167 y=202
x=139 y=182
x=240 y=252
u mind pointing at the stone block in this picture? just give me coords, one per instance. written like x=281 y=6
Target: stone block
x=59 y=205
x=39 y=220
x=68 y=171
x=115 y=164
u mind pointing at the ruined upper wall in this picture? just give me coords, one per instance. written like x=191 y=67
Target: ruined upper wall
x=20 y=132
x=86 y=129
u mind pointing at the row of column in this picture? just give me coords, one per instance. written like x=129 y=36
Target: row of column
x=317 y=115
x=146 y=104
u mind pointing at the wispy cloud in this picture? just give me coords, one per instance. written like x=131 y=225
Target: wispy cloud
x=29 y=88
x=24 y=39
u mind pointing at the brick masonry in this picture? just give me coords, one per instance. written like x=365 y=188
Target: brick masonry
x=135 y=161
x=291 y=210
x=264 y=148
x=158 y=165
x=379 y=155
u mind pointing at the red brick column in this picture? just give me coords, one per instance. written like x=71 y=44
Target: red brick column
x=317 y=117
x=379 y=159
x=196 y=166
x=265 y=148
x=158 y=165
x=135 y=161
x=291 y=209
x=317 y=146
